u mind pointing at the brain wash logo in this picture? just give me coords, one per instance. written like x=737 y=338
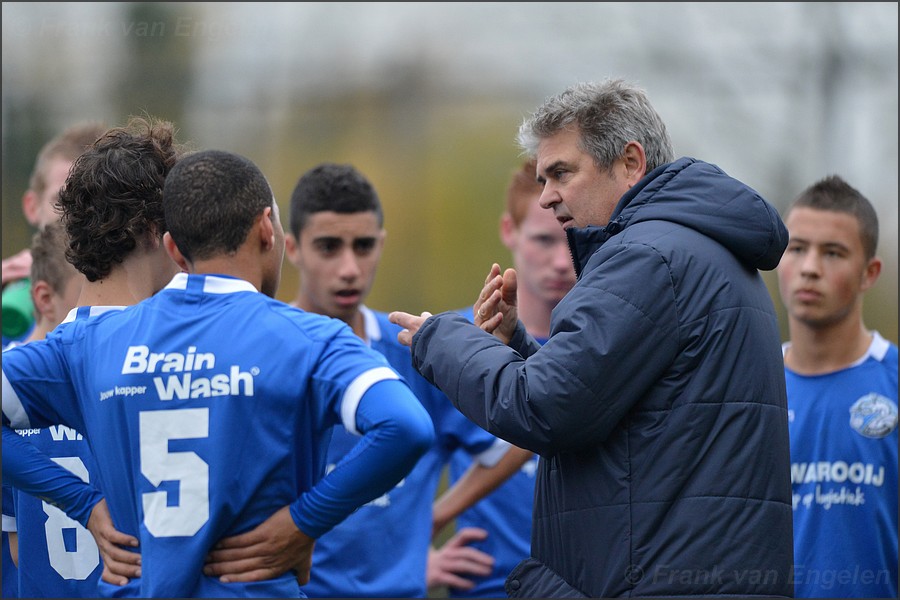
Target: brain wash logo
x=873 y=416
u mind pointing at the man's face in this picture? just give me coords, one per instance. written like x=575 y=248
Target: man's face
x=575 y=189
x=540 y=254
x=823 y=271
x=337 y=256
x=42 y=209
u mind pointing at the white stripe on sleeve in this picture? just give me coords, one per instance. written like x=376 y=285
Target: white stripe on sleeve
x=490 y=457
x=12 y=407
x=354 y=393
x=10 y=524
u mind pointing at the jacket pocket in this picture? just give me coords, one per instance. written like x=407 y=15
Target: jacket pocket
x=533 y=579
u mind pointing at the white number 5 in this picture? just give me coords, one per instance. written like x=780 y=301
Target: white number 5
x=189 y=470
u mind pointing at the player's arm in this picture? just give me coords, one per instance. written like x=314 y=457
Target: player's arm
x=33 y=472
x=13 y=539
x=456 y=560
x=27 y=468
x=10 y=525
x=480 y=479
x=34 y=382
x=396 y=431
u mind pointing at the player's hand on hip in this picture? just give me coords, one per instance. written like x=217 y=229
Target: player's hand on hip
x=451 y=563
x=119 y=564
x=271 y=549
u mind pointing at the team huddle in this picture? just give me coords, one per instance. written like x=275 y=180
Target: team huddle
x=618 y=413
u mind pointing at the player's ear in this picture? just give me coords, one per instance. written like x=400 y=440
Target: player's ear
x=871 y=273
x=42 y=297
x=292 y=248
x=507 y=230
x=266 y=229
x=31 y=206
x=174 y=253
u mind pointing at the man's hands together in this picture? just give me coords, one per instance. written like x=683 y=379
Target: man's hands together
x=495 y=309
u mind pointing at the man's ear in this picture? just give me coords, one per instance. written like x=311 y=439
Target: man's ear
x=174 y=253
x=871 y=273
x=508 y=230
x=292 y=248
x=42 y=297
x=635 y=162
x=31 y=204
x=266 y=230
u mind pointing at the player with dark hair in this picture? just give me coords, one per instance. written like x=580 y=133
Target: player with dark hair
x=207 y=405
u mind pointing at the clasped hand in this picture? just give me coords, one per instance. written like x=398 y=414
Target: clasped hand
x=495 y=309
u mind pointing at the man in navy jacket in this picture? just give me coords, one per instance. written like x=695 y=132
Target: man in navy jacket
x=658 y=404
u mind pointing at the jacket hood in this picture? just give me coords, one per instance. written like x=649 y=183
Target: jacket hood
x=701 y=196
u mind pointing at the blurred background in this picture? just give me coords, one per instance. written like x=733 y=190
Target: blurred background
x=426 y=98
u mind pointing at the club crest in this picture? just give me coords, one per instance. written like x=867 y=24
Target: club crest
x=873 y=416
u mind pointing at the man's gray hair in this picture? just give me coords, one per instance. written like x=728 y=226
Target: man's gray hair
x=607 y=116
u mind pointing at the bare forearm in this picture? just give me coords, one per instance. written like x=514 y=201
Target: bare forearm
x=476 y=483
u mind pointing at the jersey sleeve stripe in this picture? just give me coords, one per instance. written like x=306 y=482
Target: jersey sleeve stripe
x=9 y=523
x=491 y=456
x=12 y=407
x=354 y=394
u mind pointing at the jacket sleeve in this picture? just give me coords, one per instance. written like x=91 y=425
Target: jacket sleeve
x=612 y=338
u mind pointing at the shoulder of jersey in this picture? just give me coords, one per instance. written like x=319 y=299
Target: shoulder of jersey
x=311 y=324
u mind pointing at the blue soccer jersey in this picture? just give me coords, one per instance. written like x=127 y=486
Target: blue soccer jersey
x=382 y=549
x=10 y=571
x=206 y=407
x=843 y=429
x=505 y=514
x=58 y=555
x=10 y=574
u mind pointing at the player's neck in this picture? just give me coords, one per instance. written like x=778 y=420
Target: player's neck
x=817 y=350
x=358 y=324
x=354 y=319
x=241 y=265
x=534 y=314
x=40 y=331
x=125 y=285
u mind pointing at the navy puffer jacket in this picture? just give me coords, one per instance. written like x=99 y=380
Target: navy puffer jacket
x=658 y=405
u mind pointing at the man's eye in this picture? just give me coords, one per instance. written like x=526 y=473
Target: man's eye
x=328 y=247
x=364 y=246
